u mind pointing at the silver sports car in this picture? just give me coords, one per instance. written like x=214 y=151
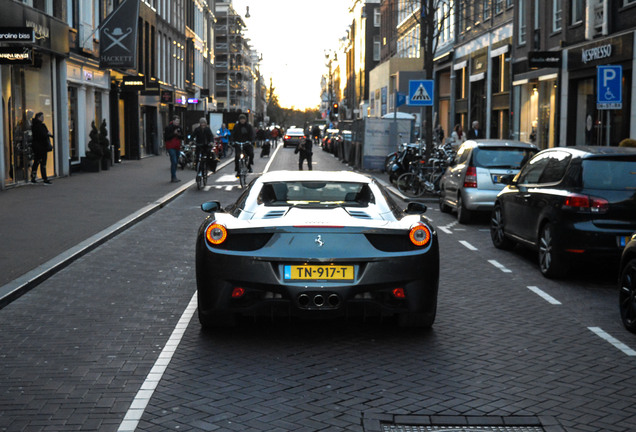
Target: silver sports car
x=316 y=244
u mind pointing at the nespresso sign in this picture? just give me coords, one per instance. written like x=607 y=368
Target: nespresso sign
x=609 y=51
x=17 y=34
x=16 y=55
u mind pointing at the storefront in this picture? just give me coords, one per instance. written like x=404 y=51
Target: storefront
x=88 y=96
x=536 y=103
x=32 y=86
x=587 y=125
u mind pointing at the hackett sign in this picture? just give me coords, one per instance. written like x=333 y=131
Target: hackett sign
x=118 y=37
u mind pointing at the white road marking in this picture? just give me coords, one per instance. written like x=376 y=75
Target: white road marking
x=611 y=339
x=500 y=266
x=468 y=245
x=139 y=404
x=227 y=178
x=547 y=297
x=446 y=230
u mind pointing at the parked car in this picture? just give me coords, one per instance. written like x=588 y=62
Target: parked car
x=472 y=181
x=315 y=244
x=627 y=286
x=293 y=137
x=569 y=202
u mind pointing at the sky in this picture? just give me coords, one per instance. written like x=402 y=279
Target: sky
x=292 y=36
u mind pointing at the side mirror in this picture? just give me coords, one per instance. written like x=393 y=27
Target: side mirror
x=415 y=208
x=211 y=206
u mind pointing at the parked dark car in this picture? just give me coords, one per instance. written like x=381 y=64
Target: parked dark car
x=472 y=181
x=627 y=286
x=569 y=202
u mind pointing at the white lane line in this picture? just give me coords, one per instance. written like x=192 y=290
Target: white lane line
x=617 y=344
x=139 y=404
x=500 y=266
x=468 y=245
x=446 y=230
x=547 y=297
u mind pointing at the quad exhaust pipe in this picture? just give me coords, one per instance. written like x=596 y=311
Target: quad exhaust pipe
x=319 y=301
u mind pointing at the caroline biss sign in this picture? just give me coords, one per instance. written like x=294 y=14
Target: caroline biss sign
x=17 y=34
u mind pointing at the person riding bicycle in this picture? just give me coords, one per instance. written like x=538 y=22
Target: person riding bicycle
x=243 y=132
x=315 y=133
x=203 y=139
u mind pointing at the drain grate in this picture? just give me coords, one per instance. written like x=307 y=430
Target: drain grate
x=413 y=428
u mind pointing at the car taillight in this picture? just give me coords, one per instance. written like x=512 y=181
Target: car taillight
x=584 y=204
x=470 y=181
x=215 y=233
x=286 y=137
x=420 y=235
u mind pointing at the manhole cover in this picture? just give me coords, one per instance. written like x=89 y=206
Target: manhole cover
x=409 y=428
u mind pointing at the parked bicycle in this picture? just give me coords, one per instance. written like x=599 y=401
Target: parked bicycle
x=425 y=175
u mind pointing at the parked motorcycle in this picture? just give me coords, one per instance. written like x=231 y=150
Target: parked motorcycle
x=397 y=163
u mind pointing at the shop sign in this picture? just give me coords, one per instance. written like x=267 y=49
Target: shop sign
x=118 y=37
x=167 y=97
x=17 y=34
x=16 y=55
x=544 y=59
x=133 y=83
x=611 y=50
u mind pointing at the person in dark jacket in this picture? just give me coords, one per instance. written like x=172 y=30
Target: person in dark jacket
x=203 y=138
x=243 y=132
x=41 y=145
x=305 y=150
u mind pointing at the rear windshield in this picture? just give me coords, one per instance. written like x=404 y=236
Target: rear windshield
x=609 y=174
x=501 y=157
x=316 y=194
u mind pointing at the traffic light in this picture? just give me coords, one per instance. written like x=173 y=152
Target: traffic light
x=335 y=109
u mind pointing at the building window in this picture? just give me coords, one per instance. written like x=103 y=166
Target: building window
x=499 y=4
x=557 y=14
x=509 y=3
x=522 y=23
x=577 y=9
x=628 y=2
x=486 y=8
x=376 y=48
x=376 y=17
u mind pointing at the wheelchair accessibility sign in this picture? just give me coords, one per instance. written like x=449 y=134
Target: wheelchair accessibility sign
x=609 y=86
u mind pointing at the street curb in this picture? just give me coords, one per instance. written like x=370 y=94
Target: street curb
x=30 y=280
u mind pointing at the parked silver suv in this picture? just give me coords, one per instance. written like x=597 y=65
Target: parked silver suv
x=472 y=181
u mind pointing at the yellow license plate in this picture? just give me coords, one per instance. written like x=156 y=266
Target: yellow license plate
x=319 y=272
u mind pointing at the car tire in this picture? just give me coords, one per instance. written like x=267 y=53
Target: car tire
x=552 y=262
x=497 y=234
x=627 y=296
x=443 y=207
x=463 y=214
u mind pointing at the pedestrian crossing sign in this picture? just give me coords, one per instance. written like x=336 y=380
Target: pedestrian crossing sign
x=421 y=93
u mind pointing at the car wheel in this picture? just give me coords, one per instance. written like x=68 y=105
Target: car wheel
x=463 y=214
x=552 y=262
x=497 y=234
x=627 y=296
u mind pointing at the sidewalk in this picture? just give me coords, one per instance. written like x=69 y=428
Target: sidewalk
x=44 y=227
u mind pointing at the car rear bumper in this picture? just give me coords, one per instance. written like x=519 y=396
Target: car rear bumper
x=585 y=238
x=267 y=293
x=479 y=199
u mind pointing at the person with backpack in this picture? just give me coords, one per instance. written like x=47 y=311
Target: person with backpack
x=305 y=152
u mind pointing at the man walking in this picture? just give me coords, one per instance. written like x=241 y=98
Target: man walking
x=172 y=135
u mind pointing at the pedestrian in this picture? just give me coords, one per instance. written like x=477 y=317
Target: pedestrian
x=203 y=138
x=458 y=136
x=243 y=132
x=41 y=145
x=273 y=134
x=173 y=135
x=224 y=133
x=475 y=132
x=305 y=151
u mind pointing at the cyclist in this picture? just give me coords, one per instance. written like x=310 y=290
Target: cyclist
x=243 y=132
x=203 y=139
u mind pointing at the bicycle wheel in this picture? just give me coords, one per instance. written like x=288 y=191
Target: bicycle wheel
x=229 y=151
x=410 y=185
x=199 y=181
x=205 y=176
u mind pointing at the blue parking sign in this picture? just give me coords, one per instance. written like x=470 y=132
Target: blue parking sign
x=421 y=93
x=609 y=86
